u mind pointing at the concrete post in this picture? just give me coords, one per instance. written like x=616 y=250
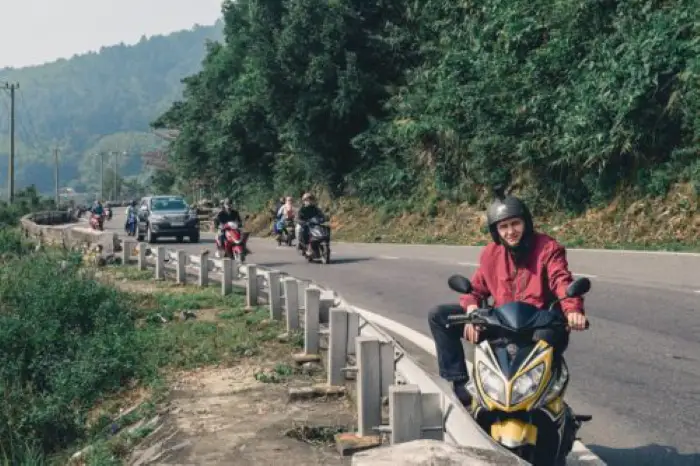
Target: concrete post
x=432 y=416
x=303 y=285
x=353 y=331
x=275 y=301
x=181 y=267
x=160 y=263
x=291 y=303
x=127 y=246
x=142 y=255
x=369 y=386
x=337 y=346
x=311 y=323
x=203 y=269
x=405 y=413
x=387 y=365
x=226 y=276
x=252 y=286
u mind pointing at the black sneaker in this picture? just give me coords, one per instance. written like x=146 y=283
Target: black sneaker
x=463 y=395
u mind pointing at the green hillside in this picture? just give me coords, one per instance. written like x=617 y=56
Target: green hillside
x=95 y=102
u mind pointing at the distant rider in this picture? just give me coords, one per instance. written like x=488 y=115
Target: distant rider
x=130 y=209
x=285 y=212
x=307 y=211
x=225 y=215
x=520 y=264
x=276 y=214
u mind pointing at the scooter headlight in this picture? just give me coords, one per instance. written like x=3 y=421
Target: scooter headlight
x=493 y=386
x=526 y=385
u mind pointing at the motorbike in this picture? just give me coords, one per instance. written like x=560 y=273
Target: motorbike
x=108 y=211
x=97 y=222
x=131 y=224
x=286 y=232
x=519 y=379
x=235 y=242
x=319 y=246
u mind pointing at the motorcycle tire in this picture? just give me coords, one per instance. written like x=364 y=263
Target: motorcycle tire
x=324 y=251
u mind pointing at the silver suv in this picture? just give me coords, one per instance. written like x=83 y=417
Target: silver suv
x=167 y=216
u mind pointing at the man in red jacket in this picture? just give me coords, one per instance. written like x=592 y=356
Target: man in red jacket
x=520 y=265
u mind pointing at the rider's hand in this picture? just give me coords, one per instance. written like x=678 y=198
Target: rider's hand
x=471 y=332
x=577 y=321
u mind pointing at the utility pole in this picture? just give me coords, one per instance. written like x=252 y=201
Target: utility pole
x=55 y=156
x=116 y=164
x=12 y=87
x=102 y=176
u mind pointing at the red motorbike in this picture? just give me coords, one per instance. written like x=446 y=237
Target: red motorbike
x=97 y=222
x=234 y=243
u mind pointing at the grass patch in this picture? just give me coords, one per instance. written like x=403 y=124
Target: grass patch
x=76 y=352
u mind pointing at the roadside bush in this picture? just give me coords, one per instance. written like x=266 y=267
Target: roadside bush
x=65 y=341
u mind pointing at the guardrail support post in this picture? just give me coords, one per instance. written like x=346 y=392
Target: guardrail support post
x=311 y=323
x=252 y=286
x=143 y=247
x=275 y=301
x=337 y=346
x=303 y=285
x=291 y=303
x=405 y=413
x=432 y=423
x=160 y=263
x=227 y=276
x=387 y=365
x=181 y=277
x=353 y=331
x=369 y=386
x=127 y=246
x=203 y=269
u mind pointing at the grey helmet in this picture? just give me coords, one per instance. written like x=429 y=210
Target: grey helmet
x=507 y=206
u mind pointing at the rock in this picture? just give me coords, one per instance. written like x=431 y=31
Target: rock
x=432 y=452
x=311 y=367
x=187 y=315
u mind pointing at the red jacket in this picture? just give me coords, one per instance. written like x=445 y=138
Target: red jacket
x=543 y=278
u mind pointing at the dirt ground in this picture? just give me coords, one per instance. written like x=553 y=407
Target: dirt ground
x=227 y=417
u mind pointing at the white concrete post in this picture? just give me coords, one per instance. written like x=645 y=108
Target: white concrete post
x=252 y=286
x=337 y=346
x=142 y=255
x=275 y=301
x=405 y=413
x=353 y=331
x=181 y=267
x=127 y=246
x=388 y=367
x=291 y=303
x=160 y=263
x=203 y=269
x=303 y=285
x=311 y=323
x=369 y=386
x=226 y=276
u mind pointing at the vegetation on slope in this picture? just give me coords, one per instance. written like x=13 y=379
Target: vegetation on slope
x=95 y=102
x=417 y=104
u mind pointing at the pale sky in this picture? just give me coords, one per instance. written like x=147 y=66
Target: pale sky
x=38 y=31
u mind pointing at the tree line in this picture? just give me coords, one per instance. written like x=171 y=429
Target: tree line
x=396 y=99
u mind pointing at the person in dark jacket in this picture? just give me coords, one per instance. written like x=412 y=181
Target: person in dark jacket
x=225 y=215
x=519 y=265
x=307 y=211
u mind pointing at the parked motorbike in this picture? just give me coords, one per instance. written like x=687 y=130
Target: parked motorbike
x=97 y=222
x=519 y=380
x=235 y=242
x=131 y=224
x=319 y=246
x=286 y=232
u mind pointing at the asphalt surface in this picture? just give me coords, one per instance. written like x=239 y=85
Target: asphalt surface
x=637 y=370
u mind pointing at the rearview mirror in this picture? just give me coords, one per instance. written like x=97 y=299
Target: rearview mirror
x=579 y=287
x=459 y=284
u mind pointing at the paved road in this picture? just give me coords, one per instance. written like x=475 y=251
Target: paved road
x=637 y=371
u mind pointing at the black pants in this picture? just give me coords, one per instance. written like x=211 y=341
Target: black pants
x=448 y=342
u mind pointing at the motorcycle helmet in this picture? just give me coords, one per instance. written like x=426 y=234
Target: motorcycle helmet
x=504 y=207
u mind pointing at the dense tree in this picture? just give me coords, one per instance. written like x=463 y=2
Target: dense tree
x=393 y=99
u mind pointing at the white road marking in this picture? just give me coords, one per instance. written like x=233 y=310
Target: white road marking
x=577 y=274
x=393 y=258
x=468 y=264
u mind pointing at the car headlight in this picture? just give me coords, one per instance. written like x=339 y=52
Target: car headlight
x=526 y=385
x=494 y=387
